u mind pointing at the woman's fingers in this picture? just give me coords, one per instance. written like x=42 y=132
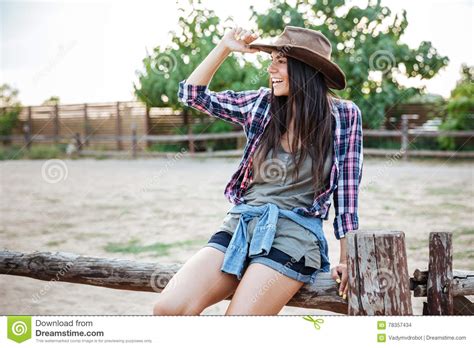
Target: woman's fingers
x=334 y=275
x=251 y=37
x=346 y=289
x=238 y=31
x=344 y=281
x=242 y=34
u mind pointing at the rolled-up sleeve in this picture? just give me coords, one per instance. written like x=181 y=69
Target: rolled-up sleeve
x=234 y=107
x=347 y=191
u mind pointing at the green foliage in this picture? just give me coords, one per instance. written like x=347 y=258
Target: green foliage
x=10 y=111
x=53 y=100
x=460 y=108
x=166 y=147
x=37 y=151
x=366 y=45
x=199 y=31
x=46 y=151
x=8 y=120
x=133 y=246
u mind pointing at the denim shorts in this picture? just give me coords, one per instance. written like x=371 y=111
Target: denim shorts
x=276 y=259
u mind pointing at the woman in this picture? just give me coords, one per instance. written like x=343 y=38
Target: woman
x=303 y=145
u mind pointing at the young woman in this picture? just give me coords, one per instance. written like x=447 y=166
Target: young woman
x=303 y=145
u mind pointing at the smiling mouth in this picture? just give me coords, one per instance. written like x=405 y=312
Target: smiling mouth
x=277 y=82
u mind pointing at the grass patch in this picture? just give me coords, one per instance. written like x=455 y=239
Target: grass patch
x=158 y=249
x=465 y=231
x=54 y=243
x=464 y=254
x=436 y=191
x=87 y=235
x=416 y=244
x=38 y=151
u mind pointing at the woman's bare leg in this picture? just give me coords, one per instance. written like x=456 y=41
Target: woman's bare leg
x=262 y=291
x=198 y=284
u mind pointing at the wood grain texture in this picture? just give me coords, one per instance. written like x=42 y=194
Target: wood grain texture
x=378 y=273
x=439 y=285
x=140 y=276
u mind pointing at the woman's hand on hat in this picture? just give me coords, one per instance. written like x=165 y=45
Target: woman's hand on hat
x=237 y=40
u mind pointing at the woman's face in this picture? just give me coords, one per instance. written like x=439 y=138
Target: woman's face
x=278 y=72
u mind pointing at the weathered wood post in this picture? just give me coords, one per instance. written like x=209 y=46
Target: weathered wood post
x=29 y=123
x=378 y=273
x=118 y=127
x=404 y=146
x=27 y=135
x=148 y=126
x=188 y=122
x=134 y=140
x=439 y=284
x=56 y=123
x=78 y=142
x=86 y=125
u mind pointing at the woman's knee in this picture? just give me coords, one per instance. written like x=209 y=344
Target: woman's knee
x=166 y=306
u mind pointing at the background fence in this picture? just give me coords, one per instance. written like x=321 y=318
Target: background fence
x=132 y=126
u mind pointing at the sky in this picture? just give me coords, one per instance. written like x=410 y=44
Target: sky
x=90 y=51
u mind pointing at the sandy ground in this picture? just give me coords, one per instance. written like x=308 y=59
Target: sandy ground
x=96 y=203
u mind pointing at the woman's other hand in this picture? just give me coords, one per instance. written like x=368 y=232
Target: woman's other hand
x=339 y=274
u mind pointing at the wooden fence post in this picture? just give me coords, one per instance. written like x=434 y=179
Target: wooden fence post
x=189 y=126
x=56 y=123
x=119 y=128
x=27 y=135
x=78 y=142
x=404 y=145
x=134 y=140
x=439 y=285
x=378 y=273
x=86 y=125
x=147 y=126
x=27 y=129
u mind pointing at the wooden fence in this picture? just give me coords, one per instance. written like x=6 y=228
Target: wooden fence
x=379 y=283
x=132 y=127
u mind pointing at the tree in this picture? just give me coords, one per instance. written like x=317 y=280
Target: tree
x=10 y=110
x=366 y=45
x=460 y=107
x=199 y=31
x=53 y=100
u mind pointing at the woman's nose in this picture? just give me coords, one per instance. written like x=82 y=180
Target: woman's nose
x=270 y=68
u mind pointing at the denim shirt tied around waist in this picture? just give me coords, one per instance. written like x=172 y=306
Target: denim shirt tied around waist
x=263 y=235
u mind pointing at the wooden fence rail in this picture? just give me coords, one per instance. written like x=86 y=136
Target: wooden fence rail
x=133 y=126
x=379 y=283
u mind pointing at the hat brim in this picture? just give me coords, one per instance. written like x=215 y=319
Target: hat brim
x=334 y=76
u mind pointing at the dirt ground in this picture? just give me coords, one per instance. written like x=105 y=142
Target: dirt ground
x=134 y=209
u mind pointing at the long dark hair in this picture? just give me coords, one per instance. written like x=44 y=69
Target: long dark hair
x=309 y=101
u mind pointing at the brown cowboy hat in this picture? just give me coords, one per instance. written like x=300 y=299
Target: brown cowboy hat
x=311 y=47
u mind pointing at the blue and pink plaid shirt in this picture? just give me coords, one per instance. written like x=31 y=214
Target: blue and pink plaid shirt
x=250 y=110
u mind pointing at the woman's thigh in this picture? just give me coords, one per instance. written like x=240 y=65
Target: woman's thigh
x=262 y=291
x=198 y=284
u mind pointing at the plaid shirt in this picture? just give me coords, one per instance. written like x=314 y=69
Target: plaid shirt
x=250 y=109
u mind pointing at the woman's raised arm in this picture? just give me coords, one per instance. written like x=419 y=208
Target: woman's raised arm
x=228 y=105
x=235 y=40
